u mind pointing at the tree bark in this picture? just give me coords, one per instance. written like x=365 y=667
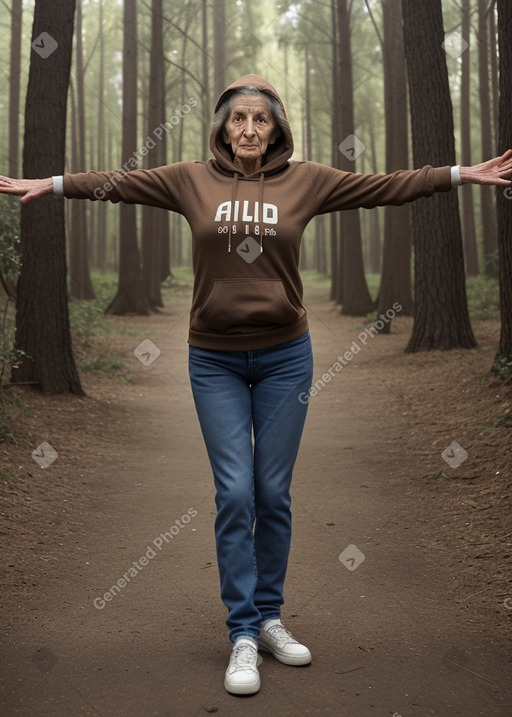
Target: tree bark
x=395 y=286
x=100 y=208
x=441 y=316
x=504 y=197
x=42 y=320
x=468 y=211
x=488 y=207
x=130 y=297
x=155 y=222
x=81 y=284
x=14 y=88
x=336 y=292
x=356 y=299
x=219 y=46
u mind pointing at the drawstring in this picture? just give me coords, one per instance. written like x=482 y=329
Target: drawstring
x=233 y=199
x=234 y=189
x=260 y=205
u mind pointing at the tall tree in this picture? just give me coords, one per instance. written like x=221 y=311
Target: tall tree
x=130 y=296
x=441 y=318
x=100 y=208
x=14 y=88
x=219 y=46
x=336 y=293
x=396 y=261
x=81 y=284
x=356 y=298
x=155 y=222
x=504 y=355
x=486 y=125
x=42 y=321
x=468 y=211
x=206 y=89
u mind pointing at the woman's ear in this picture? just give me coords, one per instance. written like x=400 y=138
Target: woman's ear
x=225 y=135
x=276 y=133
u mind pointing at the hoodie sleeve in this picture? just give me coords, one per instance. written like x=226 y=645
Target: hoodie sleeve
x=338 y=190
x=160 y=187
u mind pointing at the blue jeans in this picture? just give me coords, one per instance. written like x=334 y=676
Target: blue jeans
x=252 y=419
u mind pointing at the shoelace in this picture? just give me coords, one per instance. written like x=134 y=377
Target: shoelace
x=280 y=633
x=244 y=656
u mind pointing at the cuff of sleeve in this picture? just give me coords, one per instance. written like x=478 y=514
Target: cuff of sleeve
x=455 y=174
x=58 y=186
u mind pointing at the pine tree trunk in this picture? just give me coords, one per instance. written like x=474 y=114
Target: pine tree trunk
x=81 y=285
x=488 y=207
x=219 y=46
x=441 y=316
x=504 y=200
x=356 y=297
x=336 y=292
x=14 y=88
x=42 y=320
x=395 y=286
x=205 y=102
x=130 y=297
x=155 y=222
x=101 y=207
x=374 y=234
x=468 y=211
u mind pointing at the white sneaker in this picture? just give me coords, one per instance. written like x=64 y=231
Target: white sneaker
x=242 y=676
x=275 y=638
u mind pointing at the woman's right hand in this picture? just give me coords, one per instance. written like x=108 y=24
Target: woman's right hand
x=27 y=189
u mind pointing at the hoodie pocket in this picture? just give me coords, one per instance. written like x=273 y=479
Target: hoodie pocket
x=247 y=306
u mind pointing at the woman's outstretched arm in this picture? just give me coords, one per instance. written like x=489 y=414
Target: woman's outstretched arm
x=494 y=171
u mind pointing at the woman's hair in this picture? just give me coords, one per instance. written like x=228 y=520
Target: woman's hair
x=276 y=110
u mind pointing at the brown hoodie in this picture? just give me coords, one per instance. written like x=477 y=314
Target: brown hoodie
x=247 y=229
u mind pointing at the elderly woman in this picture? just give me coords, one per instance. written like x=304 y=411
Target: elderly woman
x=250 y=350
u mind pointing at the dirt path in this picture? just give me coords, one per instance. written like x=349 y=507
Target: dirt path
x=388 y=635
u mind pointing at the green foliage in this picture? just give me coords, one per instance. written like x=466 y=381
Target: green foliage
x=102 y=363
x=8 y=476
x=86 y=320
x=105 y=287
x=483 y=297
x=9 y=237
x=441 y=473
x=504 y=421
x=492 y=264
x=9 y=268
x=502 y=367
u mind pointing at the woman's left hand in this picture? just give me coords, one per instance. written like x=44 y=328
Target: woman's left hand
x=495 y=171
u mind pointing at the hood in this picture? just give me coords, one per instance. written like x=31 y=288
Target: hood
x=278 y=153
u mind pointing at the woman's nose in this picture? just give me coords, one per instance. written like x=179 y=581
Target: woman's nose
x=249 y=128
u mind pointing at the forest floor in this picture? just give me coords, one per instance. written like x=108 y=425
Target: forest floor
x=399 y=577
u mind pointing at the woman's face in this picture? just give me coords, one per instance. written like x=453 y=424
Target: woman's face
x=249 y=129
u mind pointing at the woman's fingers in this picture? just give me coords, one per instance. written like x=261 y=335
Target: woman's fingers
x=28 y=189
